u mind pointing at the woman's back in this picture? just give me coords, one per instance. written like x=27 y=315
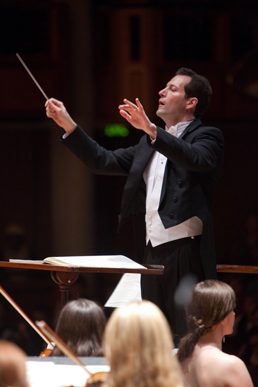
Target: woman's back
x=211 y=316
x=209 y=366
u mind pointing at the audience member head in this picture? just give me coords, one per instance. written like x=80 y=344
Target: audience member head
x=12 y=365
x=198 y=87
x=138 y=346
x=212 y=301
x=81 y=326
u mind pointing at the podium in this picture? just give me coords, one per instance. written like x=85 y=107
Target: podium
x=66 y=276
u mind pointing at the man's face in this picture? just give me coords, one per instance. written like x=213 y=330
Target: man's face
x=172 y=102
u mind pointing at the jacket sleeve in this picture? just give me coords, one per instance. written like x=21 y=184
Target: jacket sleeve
x=199 y=151
x=98 y=159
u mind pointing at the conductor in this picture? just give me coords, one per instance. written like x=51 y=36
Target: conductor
x=171 y=177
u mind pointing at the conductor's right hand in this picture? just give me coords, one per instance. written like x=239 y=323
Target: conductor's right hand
x=56 y=110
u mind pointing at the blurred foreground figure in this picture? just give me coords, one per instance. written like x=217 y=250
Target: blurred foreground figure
x=138 y=347
x=81 y=326
x=12 y=365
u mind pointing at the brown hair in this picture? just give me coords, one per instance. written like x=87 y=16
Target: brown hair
x=81 y=326
x=211 y=302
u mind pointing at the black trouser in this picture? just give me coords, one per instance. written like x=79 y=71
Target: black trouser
x=180 y=258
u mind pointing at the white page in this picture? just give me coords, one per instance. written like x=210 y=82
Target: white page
x=105 y=261
x=40 y=374
x=128 y=289
x=58 y=375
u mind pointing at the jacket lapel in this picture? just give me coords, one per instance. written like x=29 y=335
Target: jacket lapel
x=141 y=159
x=191 y=127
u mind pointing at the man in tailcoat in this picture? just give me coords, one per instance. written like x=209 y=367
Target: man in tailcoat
x=171 y=178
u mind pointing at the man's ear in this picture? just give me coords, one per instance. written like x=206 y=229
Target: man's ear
x=191 y=102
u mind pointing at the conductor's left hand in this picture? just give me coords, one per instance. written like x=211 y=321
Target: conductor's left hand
x=136 y=116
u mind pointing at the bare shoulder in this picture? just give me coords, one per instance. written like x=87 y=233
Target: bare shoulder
x=237 y=372
x=221 y=369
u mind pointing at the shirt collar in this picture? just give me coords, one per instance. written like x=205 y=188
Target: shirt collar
x=178 y=128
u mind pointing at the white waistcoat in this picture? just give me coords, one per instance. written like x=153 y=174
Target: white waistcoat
x=153 y=176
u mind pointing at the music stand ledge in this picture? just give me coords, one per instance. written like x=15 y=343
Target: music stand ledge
x=244 y=269
x=66 y=276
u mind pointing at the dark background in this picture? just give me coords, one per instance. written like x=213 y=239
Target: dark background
x=92 y=54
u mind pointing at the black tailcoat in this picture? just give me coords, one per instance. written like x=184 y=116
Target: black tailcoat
x=191 y=174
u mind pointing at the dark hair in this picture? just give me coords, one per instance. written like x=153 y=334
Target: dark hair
x=211 y=302
x=198 y=87
x=81 y=326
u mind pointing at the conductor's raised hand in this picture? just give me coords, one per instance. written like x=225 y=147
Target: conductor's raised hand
x=136 y=116
x=56 y=110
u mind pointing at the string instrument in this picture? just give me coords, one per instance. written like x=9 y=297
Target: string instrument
x=50 y=346
x=96 y=379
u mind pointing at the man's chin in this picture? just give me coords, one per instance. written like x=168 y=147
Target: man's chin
x=159 y=113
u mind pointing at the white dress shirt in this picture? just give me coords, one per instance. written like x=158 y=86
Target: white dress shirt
x=153 y=177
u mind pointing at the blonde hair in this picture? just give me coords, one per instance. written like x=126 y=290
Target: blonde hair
x=138 y=346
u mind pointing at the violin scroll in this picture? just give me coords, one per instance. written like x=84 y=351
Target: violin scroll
x=47 y=352
x=97 y=380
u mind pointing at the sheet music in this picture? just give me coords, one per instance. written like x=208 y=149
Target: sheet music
x=101 y=261
x=42 y=374
x=128 y=289
x=98 y=261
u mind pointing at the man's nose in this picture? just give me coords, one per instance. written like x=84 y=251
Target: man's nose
x=162 y=92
